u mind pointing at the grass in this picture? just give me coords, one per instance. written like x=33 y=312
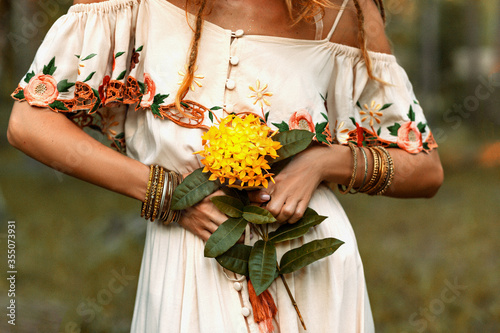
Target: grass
x=71 y=236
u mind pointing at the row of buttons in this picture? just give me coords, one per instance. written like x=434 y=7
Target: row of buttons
x=234 y=61
x=244 y=310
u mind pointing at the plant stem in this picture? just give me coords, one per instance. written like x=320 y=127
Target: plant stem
x=291 y=298
x=257 y=231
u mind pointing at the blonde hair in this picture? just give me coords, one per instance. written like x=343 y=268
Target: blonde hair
x=298 y=10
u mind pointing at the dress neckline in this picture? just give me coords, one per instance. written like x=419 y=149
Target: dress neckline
x=346 y=49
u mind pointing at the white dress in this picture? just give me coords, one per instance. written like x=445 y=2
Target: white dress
x=115 y=66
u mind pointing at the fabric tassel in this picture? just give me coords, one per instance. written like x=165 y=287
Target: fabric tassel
x=264 y=309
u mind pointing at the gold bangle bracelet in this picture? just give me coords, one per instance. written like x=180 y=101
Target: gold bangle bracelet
x=376 y=171
x=354 y=170
x=391 y=172
x=148 y=191
x=383 y=173
x=365 y=158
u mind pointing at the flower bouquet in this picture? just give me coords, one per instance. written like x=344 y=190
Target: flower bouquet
x=241 y=154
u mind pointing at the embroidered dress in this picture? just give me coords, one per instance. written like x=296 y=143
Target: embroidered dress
x=115 y=66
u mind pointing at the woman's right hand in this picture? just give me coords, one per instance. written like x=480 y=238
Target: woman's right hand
x=203 y=218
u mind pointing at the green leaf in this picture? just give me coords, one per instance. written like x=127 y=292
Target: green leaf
x=119 y=54
x=321 y=138
x=353 y=121
x=278 y=166
x=122 y=75
x=266 y=116
x=241 y=195
x=230 y=206
x=120 y=135
x=139 y=49
x=262 y=265
x=386 y=106
x=282 y=127
x=393 y=145
x=142 y=86
x=193 y=189
x=425 y=145
x=320 y=127
x=291 y=231
x=155 y=108
x=257 y=215
x=359 y=105
x=211 y=116
x=159 y=99
x=411 y=114
x=29 y=76
x=379 y=131
x=90 y=56
x=323 y=97
x=77 y=55
x=236 y=259
x=394 y=129
x=215 y=108
x=308 y=253
x=324 y=116
x=64 y=85
x=50 y=68
x=226 y=235
x=293 y=142
x=89 y=77
x=58 y=105
x=421 y=127
x=19 y=95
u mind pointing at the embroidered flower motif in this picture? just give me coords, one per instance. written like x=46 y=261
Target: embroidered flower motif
x=410 y=138
x=135 y=58
x=341 y=132
x=103 y=88
x=301 y=120
x=41 y=90
x=107 y=121
x=260 y=94
x=371 y=112
x=150 y=91
x=80 y=65
x=195 y=78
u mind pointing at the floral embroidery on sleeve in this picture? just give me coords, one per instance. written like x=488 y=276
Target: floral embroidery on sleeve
x=302 y=120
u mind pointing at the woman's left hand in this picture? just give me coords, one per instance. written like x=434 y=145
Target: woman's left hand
x=288 y=198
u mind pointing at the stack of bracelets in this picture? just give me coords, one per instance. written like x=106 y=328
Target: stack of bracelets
x=383 y=172
x=161 y=186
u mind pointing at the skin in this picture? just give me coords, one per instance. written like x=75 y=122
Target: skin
x=51 y=138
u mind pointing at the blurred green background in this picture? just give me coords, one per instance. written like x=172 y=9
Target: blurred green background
x=431 y=265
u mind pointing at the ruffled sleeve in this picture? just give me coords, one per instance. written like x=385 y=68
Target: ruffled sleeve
x=86 y=67
x=372 y=113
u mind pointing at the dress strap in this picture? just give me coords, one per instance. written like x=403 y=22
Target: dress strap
x=318 y=19
x=337 y=20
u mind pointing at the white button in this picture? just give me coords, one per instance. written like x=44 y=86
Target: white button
x=234 y=60
x=237 y=286
x=229 y=108
x=230 y=84
x=239 y=33
x=245 y=311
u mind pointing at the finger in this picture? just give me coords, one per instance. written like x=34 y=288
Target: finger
x=287 y=211
x=261 y=196
x=204 y=234
x=299 y=212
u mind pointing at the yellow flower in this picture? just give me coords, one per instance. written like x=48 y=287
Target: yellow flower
x=236 y=152
x=259 y=94
x=196 y=78
x=371 y=112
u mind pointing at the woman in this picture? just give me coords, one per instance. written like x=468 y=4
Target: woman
x=302 y=63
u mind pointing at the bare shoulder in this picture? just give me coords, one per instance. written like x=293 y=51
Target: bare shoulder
x=87 y=1
x=347 y=30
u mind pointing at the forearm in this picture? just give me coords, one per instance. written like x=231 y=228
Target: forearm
x=56 y=141
x=416 y=175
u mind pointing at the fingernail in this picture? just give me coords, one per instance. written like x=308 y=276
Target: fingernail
x=265 y=197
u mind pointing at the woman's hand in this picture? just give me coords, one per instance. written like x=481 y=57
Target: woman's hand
x=294 y=186
x=203 y=218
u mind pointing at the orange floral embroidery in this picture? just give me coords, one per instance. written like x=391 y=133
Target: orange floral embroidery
x=41 y=90
x=149 y=91
x=259 y=94
x=371 y=112
x=410 y=138
x=301 y=120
